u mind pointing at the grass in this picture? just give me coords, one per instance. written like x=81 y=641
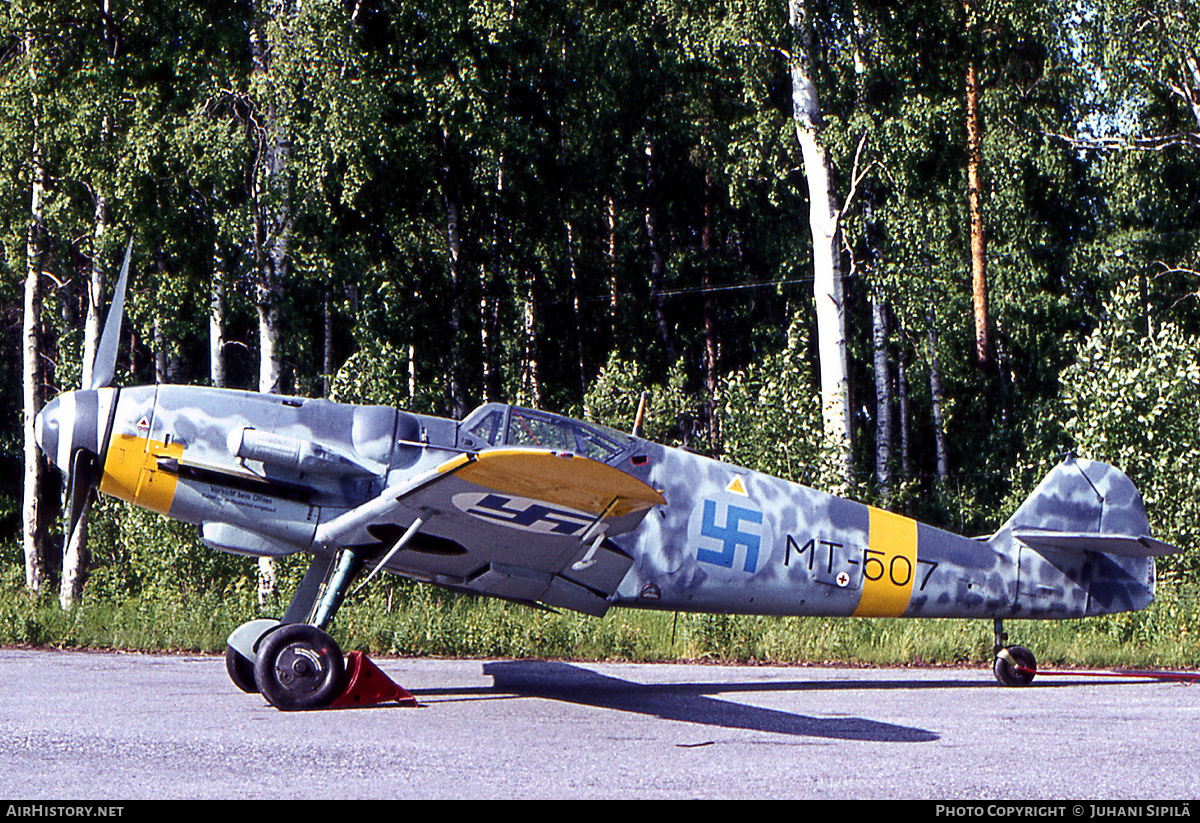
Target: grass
x=400 y=618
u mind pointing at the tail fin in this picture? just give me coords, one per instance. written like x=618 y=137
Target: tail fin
x=1082 y=505
x=1083 y=543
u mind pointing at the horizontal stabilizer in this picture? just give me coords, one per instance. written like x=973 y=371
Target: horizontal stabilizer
x=1123 y=545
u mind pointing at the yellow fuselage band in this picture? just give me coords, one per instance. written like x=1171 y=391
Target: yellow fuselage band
x=889 y=565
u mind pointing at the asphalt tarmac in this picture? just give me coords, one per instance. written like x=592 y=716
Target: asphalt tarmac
x=128 y=726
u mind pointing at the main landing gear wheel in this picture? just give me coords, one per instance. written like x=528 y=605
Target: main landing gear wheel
x=299 y=667
x=241 y=670
x=242 y=647
x=1014 y=666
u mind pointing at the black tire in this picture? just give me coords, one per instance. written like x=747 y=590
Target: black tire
x=1017 y=668
x=299 y=667
x=241 y=670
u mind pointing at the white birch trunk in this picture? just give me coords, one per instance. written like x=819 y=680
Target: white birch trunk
x=272 y=221
x=160 y=351
x=935 y=395
x=269 y=378
x=824 y=212
x=75 y=560
x=275 y=264
x=31 y=354
x=32 y=537
x=1192 y=89
x=883 y=400
x=95 y=291
x=270 y=372
x=216 y=322
x=75 y=556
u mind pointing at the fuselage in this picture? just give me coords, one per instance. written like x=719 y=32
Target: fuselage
x=259 y=474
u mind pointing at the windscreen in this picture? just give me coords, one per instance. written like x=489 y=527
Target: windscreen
x=550 y=431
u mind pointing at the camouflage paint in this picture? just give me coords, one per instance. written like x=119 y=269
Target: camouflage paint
x=650 y=527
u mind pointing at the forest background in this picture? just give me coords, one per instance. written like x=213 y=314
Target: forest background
x=913 y=252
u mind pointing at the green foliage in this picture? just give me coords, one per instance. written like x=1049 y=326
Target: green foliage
x=672 y=411
x=1134 y=390
x=378 y=374
x=776 y=395
x=369 y=134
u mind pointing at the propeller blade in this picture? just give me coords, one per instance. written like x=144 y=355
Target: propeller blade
x=105 y=364
x=78 y=489
x=79 y=486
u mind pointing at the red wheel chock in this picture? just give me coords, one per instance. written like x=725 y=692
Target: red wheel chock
x=366 y=685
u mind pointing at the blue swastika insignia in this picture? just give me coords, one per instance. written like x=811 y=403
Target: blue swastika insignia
x=730 y=535
x=522 y=513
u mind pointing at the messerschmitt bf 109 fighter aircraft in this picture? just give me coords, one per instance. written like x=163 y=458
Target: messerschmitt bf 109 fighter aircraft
x=538 y=508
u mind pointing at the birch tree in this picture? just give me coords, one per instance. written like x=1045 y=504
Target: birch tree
x=824 y=210
x=29 y=71
x=103 y=54
x=33 y=535
x=1137 y=77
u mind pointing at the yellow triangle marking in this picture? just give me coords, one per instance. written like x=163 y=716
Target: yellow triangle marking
x=736 y=487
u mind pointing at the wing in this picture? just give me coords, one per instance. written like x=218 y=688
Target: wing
x=522 y=524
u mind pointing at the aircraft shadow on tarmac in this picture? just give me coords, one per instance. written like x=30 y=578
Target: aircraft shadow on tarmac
x=686 y=702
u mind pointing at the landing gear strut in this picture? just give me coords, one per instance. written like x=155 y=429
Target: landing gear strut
x=294 y=663
x=299 y=666
x=1014 y=665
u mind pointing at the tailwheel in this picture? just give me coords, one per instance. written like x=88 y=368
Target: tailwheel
x=1014 y=666
x=299 y=667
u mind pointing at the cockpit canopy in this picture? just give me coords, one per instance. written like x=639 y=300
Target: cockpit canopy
x=495 y=424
